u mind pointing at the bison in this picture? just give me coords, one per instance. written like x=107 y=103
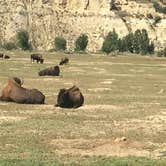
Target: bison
x=2 y=55
x=51 y=71
x=37 y=57
x=70 y=98
x=64 y=61
x=14 y=91
x=6 y=57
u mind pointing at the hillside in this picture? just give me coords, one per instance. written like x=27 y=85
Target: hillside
x=46 y=19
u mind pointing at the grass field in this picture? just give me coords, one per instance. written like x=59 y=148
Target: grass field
x=125 y=96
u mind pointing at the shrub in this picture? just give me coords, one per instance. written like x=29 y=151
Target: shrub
x=81 y=43
x=110 y=42
x=9 y=46
x=159 y=8
x=23 y=40
x=162 y=53
x=60 y=43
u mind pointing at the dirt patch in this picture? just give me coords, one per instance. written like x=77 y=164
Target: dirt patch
x=11 y=118
x=99 y=89
x=149 y=124
x=101 y=107
x=99 y=147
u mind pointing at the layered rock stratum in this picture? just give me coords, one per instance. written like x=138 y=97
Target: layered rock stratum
x=47 y=19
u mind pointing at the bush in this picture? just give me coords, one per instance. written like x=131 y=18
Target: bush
x=110 y=43
x=81 y=43
x=162 y=53
x=60 y=43
x=23 y=40
x=9 y=46
x=138 y=42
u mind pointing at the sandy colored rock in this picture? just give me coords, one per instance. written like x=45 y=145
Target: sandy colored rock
x=46 y=19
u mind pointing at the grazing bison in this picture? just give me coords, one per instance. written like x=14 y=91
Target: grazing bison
x=64 y=61
x=37 y=57
x=70 y=98
x=51 y=71
x=14 y=92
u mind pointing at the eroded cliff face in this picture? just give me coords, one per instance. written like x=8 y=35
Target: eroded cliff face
x=46 y=19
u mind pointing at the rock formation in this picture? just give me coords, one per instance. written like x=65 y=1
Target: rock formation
x=47 y=19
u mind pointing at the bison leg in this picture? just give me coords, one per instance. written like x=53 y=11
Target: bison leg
x=2 y=98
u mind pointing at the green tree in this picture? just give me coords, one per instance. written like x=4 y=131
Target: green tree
x=23 y=40
x=144 y=43
x=81 y=42
x=122 y=45
x=137 y=41
x=110 y=42
x=129 y=39
x=60 y=43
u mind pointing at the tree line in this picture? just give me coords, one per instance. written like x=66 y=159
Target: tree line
x=137 y=42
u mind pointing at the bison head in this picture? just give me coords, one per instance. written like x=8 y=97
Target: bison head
x=18 y=80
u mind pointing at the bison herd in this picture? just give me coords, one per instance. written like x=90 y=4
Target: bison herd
x=66 y=98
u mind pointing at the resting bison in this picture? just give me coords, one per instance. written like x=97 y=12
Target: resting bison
x=4 y=56
x=1 y=55
x=14 y=92
x=51 y=71
x=37 y=57
x=70 y=98
x=64 y=61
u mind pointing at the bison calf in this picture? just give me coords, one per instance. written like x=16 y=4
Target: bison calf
x=70 y=98
x=51 y=71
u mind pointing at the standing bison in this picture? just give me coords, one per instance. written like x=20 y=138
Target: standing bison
x=37 y=57
x=51 y=71
x=64 y=61
x=14 y=91
x=70 y=98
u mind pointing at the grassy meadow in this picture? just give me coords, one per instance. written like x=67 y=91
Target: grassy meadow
x=125 y=96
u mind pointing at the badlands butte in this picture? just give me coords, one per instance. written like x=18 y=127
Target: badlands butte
x=46 y=19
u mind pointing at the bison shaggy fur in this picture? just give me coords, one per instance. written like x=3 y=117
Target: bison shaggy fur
x=14 y=92
x=70 y=98
x=51 y=71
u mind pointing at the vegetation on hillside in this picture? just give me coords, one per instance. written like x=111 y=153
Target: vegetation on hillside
x=23 y=40
x=60 y=43
x=81 y=42
x=137 y=42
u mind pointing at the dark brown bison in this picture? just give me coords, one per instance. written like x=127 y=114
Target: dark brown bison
x=70 y=98
x=6 y=56
x=51 y=71
x=37 y=57
x=2 y=55
x=14 y=92
x=64 y=61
